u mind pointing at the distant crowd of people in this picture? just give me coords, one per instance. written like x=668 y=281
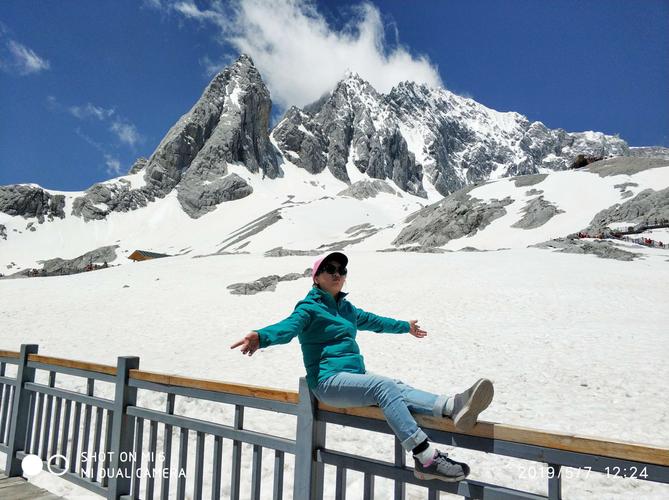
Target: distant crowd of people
x=649 y=242
x=95 y=267
x=89 y=267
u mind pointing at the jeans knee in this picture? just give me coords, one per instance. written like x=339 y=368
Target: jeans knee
x=386 y=391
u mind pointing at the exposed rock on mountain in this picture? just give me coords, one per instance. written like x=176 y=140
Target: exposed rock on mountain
x=367 y=189
x=650 y=152
x=462 y=141
x=139 y=164
x=265 y=284
x=284 y=252
x=31 y=201
x=78 y=264
x=58 y=266
x=647 y=208
x=455 y=140
x=455 y=216
x=350 y=128
x=624 y=185
x=105 y=197
x=536 y=213
x=229 y=123
x=624 y=193
x=199 y=198
x=625 y=166
x=528 y=180
x=583 y=160
x=602 y=249
x=302 y=141
x=239 y=127
x=253 y=227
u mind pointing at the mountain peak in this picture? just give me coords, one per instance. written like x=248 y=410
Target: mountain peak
x=350 y=74
x=244 y=59
x=351 y=77
x=354 y=84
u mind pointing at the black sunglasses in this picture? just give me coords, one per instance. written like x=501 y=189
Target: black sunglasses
x=331 y=269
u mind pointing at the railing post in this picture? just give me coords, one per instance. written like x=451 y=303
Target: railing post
x=310 y=435
x=19 y=423
x=123 y=430
x=555 y=482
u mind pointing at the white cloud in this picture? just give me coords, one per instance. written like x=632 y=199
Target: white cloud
x=153 y=4
x=90 y=110
x=300 y=56
x=113 y=165
x=126 y=132
x=190 y=10
x=89 y=140
x=20 y=60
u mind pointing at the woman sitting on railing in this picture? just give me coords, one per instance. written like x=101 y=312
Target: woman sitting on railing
x=326 y=325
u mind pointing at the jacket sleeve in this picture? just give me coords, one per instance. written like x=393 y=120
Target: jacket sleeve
x=380 y=324
x=285 y=330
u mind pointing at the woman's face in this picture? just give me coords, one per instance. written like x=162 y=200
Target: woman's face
x=331 y=283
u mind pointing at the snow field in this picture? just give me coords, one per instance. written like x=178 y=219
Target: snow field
x=573 y=343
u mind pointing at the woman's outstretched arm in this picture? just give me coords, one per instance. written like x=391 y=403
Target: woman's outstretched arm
x=380 y=324
x=279 y=333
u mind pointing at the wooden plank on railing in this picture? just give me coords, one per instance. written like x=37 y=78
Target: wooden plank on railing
x=562 y=441
x=71 y=363
x=9 y=354
x=216 y=386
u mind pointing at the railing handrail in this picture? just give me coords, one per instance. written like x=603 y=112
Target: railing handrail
x=73 y=363
x=254 y=391
x=578 y=443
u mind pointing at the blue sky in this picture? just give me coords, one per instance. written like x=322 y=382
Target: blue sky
x=87 y=87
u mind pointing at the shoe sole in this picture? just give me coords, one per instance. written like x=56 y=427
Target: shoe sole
x=482 y=394
x=423 y=476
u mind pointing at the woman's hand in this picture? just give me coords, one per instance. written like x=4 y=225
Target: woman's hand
x=416 y=330
x=249 y=343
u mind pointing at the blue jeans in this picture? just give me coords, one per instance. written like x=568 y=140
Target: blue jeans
x=394 y=397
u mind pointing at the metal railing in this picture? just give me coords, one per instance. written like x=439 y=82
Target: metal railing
x=99 y=443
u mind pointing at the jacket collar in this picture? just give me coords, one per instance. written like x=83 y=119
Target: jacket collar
x=323 y=296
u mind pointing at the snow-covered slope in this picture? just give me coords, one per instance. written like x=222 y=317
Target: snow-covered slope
x=302 y=211
x=573 y=344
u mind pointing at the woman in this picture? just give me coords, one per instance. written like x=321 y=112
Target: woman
x=326 y=325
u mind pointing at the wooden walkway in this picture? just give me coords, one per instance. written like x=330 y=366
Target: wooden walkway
x=17 y=488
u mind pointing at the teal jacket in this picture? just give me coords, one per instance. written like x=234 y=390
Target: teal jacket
x=326 y=329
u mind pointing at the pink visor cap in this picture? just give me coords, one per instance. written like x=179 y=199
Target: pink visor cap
x=336 y=256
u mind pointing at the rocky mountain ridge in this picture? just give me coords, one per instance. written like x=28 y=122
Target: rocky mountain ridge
x=422 y=139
